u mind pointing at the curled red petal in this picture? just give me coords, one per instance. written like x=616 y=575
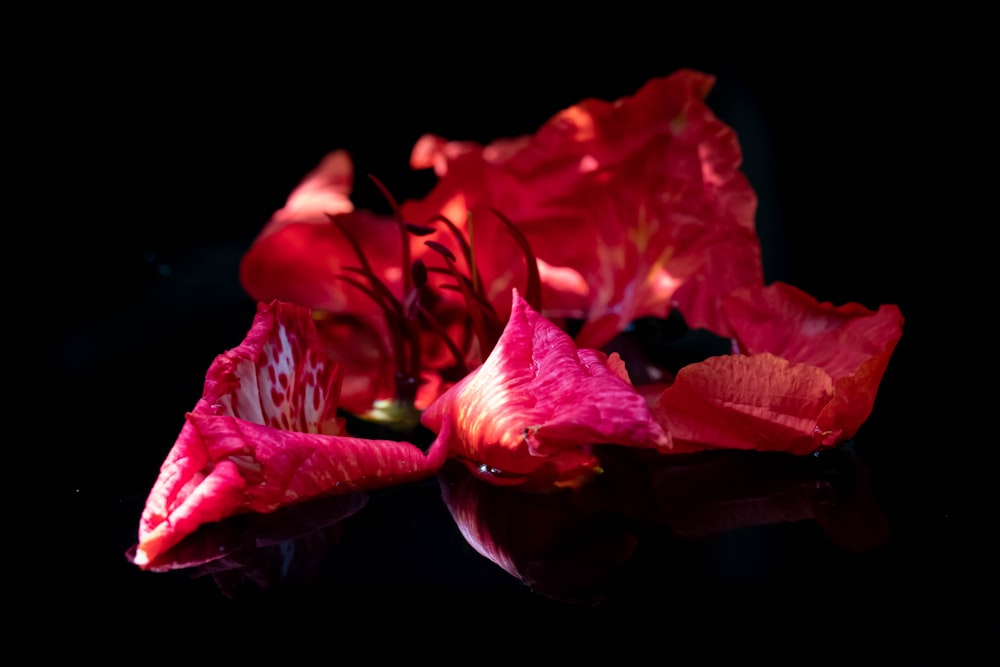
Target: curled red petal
x=536 y=406
x=265 y=434
x=808 y=378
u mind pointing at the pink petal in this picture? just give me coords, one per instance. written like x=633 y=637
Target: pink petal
x=265 y=435
x=537 y=405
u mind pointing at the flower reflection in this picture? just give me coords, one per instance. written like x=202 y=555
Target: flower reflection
x=579 y=546
x=262 y=549
x=547 y=541
x=724 y=491
x=576 y=544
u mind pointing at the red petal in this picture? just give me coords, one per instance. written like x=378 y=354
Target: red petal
x=264 y=436
x=278 y=376
x=808 y=380
x=537 y=404
x=639 y=202
x=324 y=191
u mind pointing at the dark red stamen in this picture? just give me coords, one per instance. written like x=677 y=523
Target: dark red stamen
x=486 y=340
x=442 y=250
x=404 y=239
x=449 y=343
x=419 y=230
x=490 y=317
x=533 y=291
x=392 y=320
x=354 y=244
x=463 y=243
x=406 y=316
x=419 y=273
x=380 y=289
x=401 y=328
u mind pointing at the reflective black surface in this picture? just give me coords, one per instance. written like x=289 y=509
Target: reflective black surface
x=865 y=543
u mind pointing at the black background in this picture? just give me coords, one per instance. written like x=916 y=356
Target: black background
x=175 y=146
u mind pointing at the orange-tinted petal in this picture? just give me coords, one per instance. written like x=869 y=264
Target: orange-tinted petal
x=807 y=380
x=760 y=402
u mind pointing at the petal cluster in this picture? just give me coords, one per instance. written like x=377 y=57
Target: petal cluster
x=609 y=213
x=633 y=207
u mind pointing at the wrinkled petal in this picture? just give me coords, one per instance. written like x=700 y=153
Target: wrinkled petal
x=760 y=402
x=807 y=379
x=641 y=202
x=265 y=434
x=538 y=404
x=278 y=376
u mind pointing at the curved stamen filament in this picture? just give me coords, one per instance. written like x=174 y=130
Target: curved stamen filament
x=404 y=239
x=405 y=316
x=395 y=317
x=391 y=317
x=379 y=290
x=449 y=343
x=486 y=341
x=463 y=243
x=490 y=316
x=358 y=252
x=533 y=291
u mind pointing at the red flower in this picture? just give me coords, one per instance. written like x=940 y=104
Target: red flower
x=532 y=412
x=611 y=212
x=633 y=208
x=354 y=269
x=266 y=434
x=805 y=377
x=570 y=545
